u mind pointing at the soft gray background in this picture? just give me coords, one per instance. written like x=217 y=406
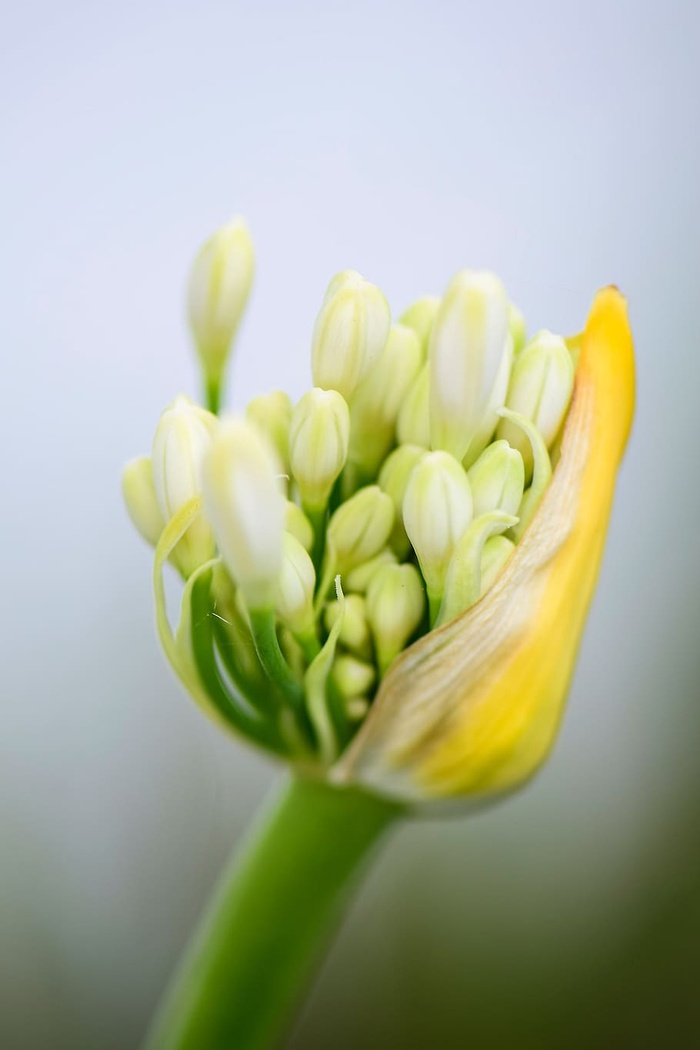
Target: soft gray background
x=554 y=142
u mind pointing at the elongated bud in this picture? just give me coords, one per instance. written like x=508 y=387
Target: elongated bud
x=294 y=594
x=540 y=389
x=141 y=500
x=296 y=522
x=517 y=328
x=243 y=501
x=437 y=508
x=393 y=479
x=354 y=630
x=420 y=316
x=395 y=608
x=181 y=441
x=497 y=551
x=413 y=421
x=360 y=527
x=463 y=581
x=352 y=677
x=272 y=414
x=380 y=395
x=469 y=343
x=358 y=579
x=497 y=479
x=318 y=444
x=349 y=334
x=220 y=282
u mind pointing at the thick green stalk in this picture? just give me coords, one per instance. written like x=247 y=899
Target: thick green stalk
x=275 y=906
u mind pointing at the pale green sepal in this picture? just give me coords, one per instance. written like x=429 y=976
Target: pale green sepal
x=541 y=474
x=463 y=580
x=315 y=681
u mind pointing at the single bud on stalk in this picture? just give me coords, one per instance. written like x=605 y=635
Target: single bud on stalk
x=349 y=334
x=354 y=630
x=540 y=389
x=437 y=508
x=497 y=479
x=141 y=500
x=360 y=528
x=393 y=479
x=220 y=282
x=272 y=414
x=469 y=357
x=242 y=499
x=294 y=594
x=395 y=608
x=353 y=677
x=181 y=441
x=420 y=317
x=296 y=522
x=413 y=421
x=318 y=444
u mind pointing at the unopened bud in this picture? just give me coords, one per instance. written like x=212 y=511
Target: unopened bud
x=294 y=594
x=352 y=677
x=181 y=441
x=497 y=479
x=393 y=479
x=349 y=334
x=437 y=508
x=141 y=500
x=497 y=551
x=420 y=316
x=413 y=421
x=246 y=508
x=395 y=608
x=296 y=522
x=358 y=579
x=469 y=357
x=354 y=631
x=540 y=389
x=272 y=413
x=463 y=582
x=360 y=528
x=318 y=444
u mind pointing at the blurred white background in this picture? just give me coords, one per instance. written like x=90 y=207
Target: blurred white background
x=553 y=142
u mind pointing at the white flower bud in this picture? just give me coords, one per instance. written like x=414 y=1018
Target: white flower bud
x=352 y=677
x=141 y=500
x=360 y=527
x=540 y=389
x=379 y=397
x=318 y=444
x=358 y=579
x=469 y=343
x=463 y=580
x=420 y=317
x=243 y=501
x=296 y=522
x=354 y=630
x=395 y=608
x=181 y=441
x=294 y=594
x=272 y=414
x=437 y=508
x=349 y=334
x=497 y=479
x=220 y=282
x=393 y=479
x=413 y=421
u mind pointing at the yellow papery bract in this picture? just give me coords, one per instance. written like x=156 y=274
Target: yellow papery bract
x=473 y=708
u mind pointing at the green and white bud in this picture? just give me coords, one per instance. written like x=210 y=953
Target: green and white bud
x=469 y=357
x=517 y=328
x=420 y=316
x=437 y=508
x=497 y=479
x=413 y=420
x=350 y=332
x=540 y=390
x=395 y=608
x=393 y=479
x=219 y=286
x=294 y=593
x=243 y=501
x=272 y=414
x=354 y=630
x=140 y=498
x=497 y=551
x=296 y=522
x=182 y=439
x=352 y=677
x=318 y=444
x=377 y=400
x=358 y=579
x=464 y=582
x=359 y=528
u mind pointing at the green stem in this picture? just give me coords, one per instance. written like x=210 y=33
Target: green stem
x=256 y=947
x=212 y=394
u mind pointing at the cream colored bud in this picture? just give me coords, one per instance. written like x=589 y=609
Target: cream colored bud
x=354 y=630
x=517 y=328
x=497 y=479
x=395 y=608
x=349 y=334
x=497 y=551
x=360 y=527
x=540 y=389
x=181 y=441
x=272 y=414
x=393 y=479
x=352 y=677
x=294 y=594
x=420 y=316
x=469 y=358
x=141 y=500
x=296 y=522
x=437 y=508
x=377 y=400
x=318 y=444
x=357 y=580
x=413 y=420
x=220 y=282
x=243 y=501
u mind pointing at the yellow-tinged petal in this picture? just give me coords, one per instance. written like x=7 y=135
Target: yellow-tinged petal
x=473 y=708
